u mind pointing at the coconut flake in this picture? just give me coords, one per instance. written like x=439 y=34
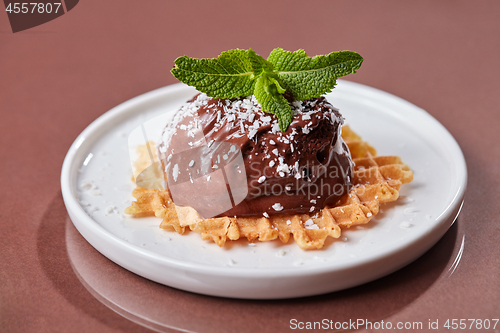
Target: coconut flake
x=175 y=172
x=251 y=133
x=277 y=207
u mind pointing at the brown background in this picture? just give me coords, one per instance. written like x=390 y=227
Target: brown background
x=56 y=78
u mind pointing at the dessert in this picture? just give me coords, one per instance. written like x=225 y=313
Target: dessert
x=294 y=172
x=270 y=164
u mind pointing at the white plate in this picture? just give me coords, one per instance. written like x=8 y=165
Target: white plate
x=399 y=234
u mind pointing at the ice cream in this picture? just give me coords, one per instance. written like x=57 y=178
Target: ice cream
x=265 y=171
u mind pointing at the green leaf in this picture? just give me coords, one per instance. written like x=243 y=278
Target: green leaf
x=268 y=94
x=310 y=77
x=259 y=64
x=231 y=74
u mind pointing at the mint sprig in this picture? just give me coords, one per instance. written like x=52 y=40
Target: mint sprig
x=236 y=73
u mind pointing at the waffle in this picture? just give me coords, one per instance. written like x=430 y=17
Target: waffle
x=377 y=180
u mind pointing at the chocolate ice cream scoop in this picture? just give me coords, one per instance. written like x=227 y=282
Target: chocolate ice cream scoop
x=229 y=158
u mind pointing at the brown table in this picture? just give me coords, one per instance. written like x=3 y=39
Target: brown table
x=56 y=78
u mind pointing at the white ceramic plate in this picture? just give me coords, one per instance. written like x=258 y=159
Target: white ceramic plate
x=96 y=187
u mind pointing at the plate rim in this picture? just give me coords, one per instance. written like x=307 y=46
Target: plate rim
x=88 y=227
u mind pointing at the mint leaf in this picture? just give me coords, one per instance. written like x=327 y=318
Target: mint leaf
x=309 y=77
x=259 y=64
x=267 y=92
x=231 y=74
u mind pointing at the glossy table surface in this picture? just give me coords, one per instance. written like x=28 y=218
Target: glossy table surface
x=58 y=77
